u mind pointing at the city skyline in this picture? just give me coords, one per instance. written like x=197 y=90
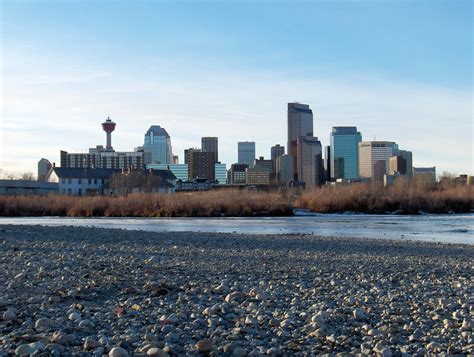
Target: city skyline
x=55 y=90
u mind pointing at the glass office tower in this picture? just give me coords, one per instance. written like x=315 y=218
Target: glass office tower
x=344 y=155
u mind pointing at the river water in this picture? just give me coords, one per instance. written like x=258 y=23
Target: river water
x=434 y=228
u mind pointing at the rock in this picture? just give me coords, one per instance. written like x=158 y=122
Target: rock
x=74 y=316
x=365 y=348
x=62 y=338
x=239 y=352
x=118 y=352
x=98 y=352
x=386 y=352
x=44 y=324
x=286 y=323
x=433 y=346
x=274 y=323
x=204 y=345
x=90 y=344
x=156 y=352
x=250 y=321
x=30 y=348
x=359 y=314
x=153 y=260
x=237 y=296
x=467 y=324
x=55 y=347
x=9 y=315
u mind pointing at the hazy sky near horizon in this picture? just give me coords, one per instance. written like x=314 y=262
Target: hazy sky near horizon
x=398 y=70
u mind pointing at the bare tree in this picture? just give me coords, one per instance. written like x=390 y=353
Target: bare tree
x=12 y=175
x=123 y=184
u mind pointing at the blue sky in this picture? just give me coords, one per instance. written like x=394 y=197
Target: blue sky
x=399 y=70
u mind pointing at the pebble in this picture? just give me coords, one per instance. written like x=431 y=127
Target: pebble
x=204 y=345
x=235 y=295
x=30 y=348
x=156 y=352
x=9 y=315
x=44 y=324
x=359 y=314
x=118 y=352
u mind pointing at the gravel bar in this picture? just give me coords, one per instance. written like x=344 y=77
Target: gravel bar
x=93 y=292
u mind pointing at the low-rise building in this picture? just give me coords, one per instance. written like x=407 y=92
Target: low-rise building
x=237 y=174
x=27 y=187
x=86 y=181
x=194 y=185
x=258 y=177
x=181 y=171
x=427 y=174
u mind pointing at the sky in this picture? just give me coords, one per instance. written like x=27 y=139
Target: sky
x=398 y=70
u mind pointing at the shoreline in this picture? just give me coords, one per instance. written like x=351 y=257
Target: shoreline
x=95 y=289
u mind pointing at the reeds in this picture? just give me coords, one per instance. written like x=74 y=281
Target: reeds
x=403 y=198
x=194 y=204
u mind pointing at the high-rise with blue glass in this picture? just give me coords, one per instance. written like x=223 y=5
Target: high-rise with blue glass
x=158 y=143
x=345 y=152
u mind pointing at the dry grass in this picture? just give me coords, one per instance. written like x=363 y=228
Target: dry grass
x=195 y=204
x=402 y=197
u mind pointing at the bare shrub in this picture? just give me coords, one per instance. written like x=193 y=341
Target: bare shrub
x=403 y=197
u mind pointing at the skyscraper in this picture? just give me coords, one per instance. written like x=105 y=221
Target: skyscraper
x=310 y=161
x=372 y=151
x=398 y=165
x=407 y=155
x=201 y=165
x=210 y=144
x=276 y=151
x=246 y=152
x=187 y=154
x=284 y=169
x=345 y=152
x=220 y=173
x=327 y=163
x=300 y=123
x=158 y=143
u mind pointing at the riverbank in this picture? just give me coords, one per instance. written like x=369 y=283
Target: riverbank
x=83 y=289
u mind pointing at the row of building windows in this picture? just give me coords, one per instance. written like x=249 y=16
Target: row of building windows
x=80 y=181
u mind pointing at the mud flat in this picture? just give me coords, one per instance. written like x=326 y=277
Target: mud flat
x=97 y=292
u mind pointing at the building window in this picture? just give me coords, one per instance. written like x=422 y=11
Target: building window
x=95 y=181
x=79 y=192
x=79 y=181
x=90 y=181
x=103 y=181
x=68 y=191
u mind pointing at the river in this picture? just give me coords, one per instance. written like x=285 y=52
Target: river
x=434 y=228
